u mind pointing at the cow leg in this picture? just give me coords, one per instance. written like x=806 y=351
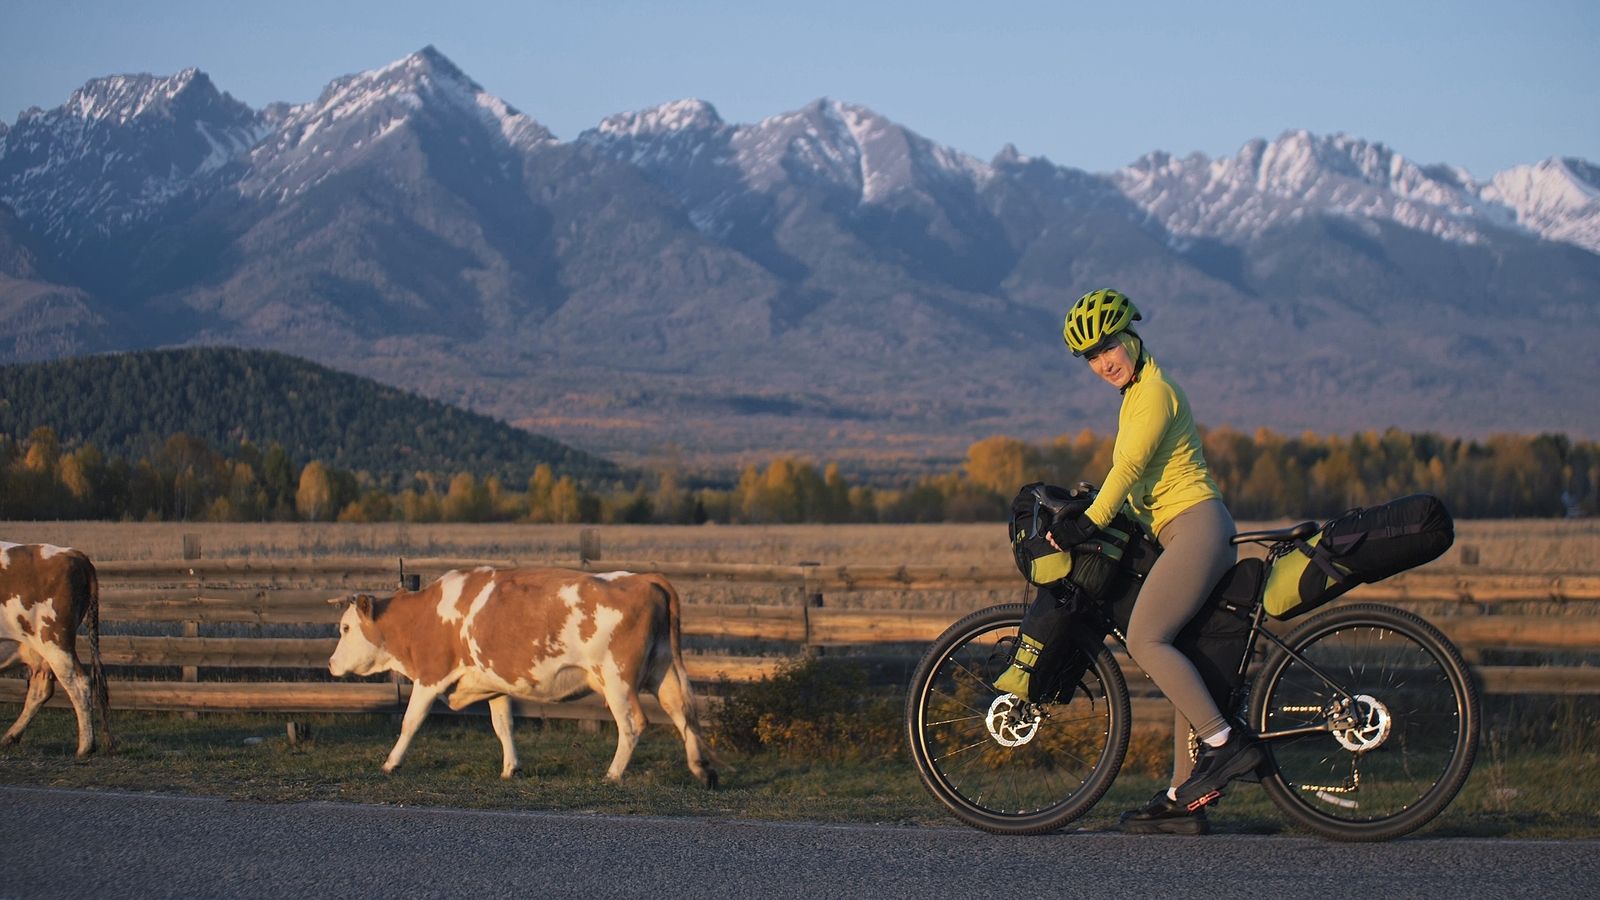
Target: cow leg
x=623 y=701
x=422 y=697
x=673 y=692
x=41 y=684
x=73 y=680
x=500 y=715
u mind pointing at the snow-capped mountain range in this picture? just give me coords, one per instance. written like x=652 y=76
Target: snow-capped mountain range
x=119 y=150
x=124 y=145
x=1270 y=183
x=677 y=271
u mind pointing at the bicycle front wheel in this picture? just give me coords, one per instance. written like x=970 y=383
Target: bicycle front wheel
x=1396 y=715
x=1002 y=764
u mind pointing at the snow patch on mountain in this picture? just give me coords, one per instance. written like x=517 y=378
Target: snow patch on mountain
x=1558 y=199
x=312 y=141
x=676 y=116
x=1269 y=184
x=688 y=148
x=119 y=150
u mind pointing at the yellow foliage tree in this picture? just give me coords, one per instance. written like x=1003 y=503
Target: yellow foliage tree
x=1000 y=464
x=313 y=499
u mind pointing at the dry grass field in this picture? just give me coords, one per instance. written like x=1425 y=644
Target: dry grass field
x=1541 y=547
x=1537 y=546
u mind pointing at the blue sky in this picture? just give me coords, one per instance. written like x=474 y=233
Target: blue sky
x=1484 y=85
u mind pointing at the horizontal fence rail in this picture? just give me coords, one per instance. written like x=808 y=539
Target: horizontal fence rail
x=1479 y=613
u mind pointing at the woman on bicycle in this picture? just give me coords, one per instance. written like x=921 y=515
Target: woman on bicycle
x=1159 y=470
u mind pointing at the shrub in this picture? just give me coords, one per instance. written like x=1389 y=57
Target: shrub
x=810 y=708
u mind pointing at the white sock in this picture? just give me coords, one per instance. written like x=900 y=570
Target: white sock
x=1218 y=739
x=1172 y=794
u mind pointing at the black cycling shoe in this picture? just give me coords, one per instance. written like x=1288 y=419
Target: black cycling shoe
x=1217 y=766
x=1164 y=815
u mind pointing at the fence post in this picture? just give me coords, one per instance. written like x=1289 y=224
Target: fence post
x=811 y=598
x=588 y=546
x=191 y=629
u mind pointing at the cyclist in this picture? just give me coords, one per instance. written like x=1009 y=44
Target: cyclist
x=1159 y=470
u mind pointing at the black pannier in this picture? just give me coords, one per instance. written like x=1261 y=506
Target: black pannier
x=1359 y=547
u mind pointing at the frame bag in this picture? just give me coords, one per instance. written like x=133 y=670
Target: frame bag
x=1360 y=547
x=1215 y=639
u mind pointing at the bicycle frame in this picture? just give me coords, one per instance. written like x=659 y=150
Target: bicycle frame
x=1257 y=613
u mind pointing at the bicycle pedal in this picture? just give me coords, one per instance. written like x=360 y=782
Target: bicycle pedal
x=1201 y=802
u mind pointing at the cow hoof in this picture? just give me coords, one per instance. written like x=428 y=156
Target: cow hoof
x=511 y=774
x=388 y=769
x=709 y=779
x=8 y=740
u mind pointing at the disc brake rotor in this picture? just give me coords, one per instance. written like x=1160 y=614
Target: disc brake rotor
x=1371 y=728
x=1011 y=722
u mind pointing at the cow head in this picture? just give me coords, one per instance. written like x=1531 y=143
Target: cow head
x=360 y=650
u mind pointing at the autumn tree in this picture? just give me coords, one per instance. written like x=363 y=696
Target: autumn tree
x=313 y=499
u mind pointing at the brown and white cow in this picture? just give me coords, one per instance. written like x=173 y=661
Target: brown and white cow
x=46 y=592
x=537 y=634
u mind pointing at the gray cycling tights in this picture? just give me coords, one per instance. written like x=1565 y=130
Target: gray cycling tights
x=1194 y=554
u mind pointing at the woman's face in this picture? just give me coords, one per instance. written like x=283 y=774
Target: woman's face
x=1113 y=364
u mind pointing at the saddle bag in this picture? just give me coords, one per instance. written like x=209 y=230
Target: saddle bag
x=1360 y=547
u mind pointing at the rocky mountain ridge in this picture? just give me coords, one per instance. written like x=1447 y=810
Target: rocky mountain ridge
x=824 y=281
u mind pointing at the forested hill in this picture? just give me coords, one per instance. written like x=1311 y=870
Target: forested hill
x=127 y=404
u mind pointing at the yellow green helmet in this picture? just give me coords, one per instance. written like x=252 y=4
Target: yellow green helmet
x=1096 y=316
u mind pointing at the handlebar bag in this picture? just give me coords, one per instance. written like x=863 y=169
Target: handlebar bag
x=1092 y=566
x=1075 y=586
x=1359 y=547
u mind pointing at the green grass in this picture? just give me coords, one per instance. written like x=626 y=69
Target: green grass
x=1519 y=793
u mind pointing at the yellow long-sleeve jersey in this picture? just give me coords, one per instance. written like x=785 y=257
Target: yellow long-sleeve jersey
x=1157 y=464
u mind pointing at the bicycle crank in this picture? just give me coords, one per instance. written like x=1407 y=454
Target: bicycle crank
x=1011 y=722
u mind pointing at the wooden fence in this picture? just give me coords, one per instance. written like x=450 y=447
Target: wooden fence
x=1481 y=612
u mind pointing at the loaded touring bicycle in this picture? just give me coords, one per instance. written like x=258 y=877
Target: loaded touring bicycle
x=1367 y=714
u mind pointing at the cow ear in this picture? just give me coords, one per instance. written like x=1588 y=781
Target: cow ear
x=341 y=601
x=363 y=604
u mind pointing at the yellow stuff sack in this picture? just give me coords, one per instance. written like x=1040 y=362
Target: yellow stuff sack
x=1296 y=585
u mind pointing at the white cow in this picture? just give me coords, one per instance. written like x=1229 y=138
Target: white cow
x=537 y=634
x=46 y=592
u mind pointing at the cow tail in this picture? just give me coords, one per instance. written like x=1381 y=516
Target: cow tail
x=678 y=669
x=97 y=671
x=674 y=617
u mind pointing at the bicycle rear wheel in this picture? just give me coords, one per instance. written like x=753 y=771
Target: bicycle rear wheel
x=1001 y=764
x=1405 y=723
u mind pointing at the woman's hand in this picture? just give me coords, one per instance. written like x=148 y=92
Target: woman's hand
x=1071 y=533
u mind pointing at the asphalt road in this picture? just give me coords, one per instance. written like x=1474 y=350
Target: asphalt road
x=59 y=843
